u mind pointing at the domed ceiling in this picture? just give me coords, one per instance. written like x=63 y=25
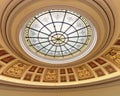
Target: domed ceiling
x=54 y=44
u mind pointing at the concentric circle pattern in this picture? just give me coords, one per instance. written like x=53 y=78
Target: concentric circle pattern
x=58 y=34
x=82 y=37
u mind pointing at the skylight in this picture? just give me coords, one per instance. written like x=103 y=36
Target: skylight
x=58 y=35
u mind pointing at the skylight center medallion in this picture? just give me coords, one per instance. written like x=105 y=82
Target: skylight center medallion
x=58 y=39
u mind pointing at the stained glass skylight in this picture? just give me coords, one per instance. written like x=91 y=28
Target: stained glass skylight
x=58 y=36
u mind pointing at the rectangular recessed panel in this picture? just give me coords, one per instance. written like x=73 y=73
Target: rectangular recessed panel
x=33 y=68
x=28 y=76
x=99 y=72
x=92 y=64
x=63 y=79
x=100 y=61
x=7 y=59
x=3 y=52
x=110 y=69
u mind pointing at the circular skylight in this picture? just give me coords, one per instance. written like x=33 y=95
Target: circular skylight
x=58 y=36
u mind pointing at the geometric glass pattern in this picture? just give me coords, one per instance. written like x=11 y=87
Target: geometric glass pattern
x=57 y=34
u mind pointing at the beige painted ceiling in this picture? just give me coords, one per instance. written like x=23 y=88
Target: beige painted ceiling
x=100 y=66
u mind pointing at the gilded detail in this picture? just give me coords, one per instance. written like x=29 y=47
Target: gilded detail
x=113 y=55
x=16 y=70
x=83 y=72
x=51 y=75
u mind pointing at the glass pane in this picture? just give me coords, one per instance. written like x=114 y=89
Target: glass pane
x=58 y=33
